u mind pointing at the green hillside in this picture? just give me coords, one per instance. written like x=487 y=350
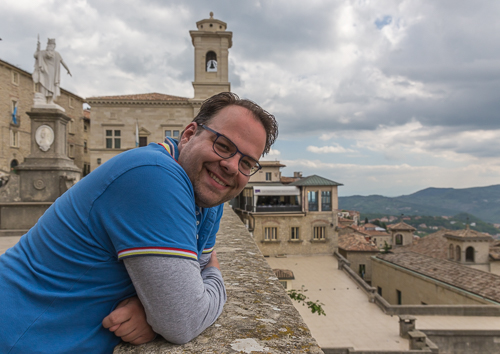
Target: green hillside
x=482 y=202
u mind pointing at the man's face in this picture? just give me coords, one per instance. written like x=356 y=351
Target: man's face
x=216 y=180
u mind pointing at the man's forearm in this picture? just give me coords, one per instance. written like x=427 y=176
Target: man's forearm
x=179 y=303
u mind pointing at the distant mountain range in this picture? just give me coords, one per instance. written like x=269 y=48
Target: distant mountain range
x=482 y=202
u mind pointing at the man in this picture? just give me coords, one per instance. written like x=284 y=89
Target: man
x=144 y=222
x=47 y=71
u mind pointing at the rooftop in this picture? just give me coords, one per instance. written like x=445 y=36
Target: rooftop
x=355 y=242
x=433 y=245
x=315 y=180
x=402 y=226
x=475 y=281
x=153 y=96
x=284 y=274
x=436 y=245
x=468 y=234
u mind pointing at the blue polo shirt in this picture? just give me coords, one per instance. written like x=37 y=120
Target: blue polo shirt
x=65 y=275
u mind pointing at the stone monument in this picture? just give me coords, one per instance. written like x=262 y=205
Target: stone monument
x=47 y=75
x=47 y=172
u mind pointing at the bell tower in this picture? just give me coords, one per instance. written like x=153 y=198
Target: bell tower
x=211 y=44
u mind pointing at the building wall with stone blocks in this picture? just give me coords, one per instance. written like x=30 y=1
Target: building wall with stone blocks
x=416 y=289
x=211 y=36
x=495 y=267
x=306 y=224
x=481 y=251
x=17 y=88
x=356 y=259
x=270 y=172
x=153 y=118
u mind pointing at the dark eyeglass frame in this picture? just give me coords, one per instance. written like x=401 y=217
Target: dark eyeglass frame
x=257 y=164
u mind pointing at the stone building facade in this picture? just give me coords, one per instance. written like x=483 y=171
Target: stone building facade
x=16 y=95
x=287 y=219
x=357 y=250
x=124 y=122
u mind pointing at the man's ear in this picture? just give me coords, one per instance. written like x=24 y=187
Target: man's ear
x=188 y=133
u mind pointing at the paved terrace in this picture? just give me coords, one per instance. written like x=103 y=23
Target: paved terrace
x=351 y=320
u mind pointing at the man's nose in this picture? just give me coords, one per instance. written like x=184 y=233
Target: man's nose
x=230 y=165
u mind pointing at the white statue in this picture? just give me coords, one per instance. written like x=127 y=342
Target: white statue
x=47 y=74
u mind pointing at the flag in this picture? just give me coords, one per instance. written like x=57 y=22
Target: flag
x=136 y=134
x=14 y=118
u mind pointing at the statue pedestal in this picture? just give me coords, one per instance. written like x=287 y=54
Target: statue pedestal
x=47 y=172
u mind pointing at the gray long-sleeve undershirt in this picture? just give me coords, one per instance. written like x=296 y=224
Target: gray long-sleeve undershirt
x=181 y=297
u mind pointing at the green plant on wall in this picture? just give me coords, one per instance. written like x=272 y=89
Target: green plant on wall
x=301 y=298
x=387 y=248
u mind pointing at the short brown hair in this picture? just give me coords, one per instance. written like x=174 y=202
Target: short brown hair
x=214 y=104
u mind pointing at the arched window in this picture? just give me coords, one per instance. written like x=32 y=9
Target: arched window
x=469 y=254
x=13 y=165
x=450 y=253
x=211 y=62
x=458 y=254
x=399 y=239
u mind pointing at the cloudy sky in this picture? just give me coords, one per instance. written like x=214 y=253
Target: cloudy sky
x=386 y=97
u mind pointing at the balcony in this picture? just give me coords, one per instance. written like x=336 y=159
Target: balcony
x=278 y=208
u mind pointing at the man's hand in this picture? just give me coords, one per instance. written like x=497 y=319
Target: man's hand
x=128 y=321
x=213 y=261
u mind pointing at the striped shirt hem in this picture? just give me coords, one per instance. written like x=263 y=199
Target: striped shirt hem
x=208 y=250
x=157 y=251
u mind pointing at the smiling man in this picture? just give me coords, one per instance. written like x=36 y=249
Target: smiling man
x=143 y=223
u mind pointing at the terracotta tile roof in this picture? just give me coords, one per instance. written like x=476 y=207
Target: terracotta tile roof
x=402 y=226
x=436 y=245
x=154 y=96
x=433 y=245
x=315 y=180
x=287 y=180
x=467 y=234
x=284 y=274
x=469 y=279
x=345 y=219
x=356 y=242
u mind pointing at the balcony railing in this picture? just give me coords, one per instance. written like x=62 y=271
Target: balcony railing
x=277 y=208
x=271 y=208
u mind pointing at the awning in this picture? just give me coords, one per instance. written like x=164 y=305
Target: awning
x=276 y=190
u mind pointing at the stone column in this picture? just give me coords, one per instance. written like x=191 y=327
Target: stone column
x=47 y=172
x=406 y=324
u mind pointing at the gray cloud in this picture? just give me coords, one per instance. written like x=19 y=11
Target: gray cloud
x=323 y=67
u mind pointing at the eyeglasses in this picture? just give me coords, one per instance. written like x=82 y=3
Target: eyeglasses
x=226 y=149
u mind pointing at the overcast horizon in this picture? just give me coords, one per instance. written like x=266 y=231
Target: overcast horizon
x=385 y=97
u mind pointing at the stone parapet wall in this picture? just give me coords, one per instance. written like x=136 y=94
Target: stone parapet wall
x=258 y=316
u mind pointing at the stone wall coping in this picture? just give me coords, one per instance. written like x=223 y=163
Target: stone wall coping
x=258 y=316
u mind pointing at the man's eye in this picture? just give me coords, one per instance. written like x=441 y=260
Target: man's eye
x=247 y=164
x=222 y=146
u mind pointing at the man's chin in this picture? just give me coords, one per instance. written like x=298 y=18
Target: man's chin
x=206 y=202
